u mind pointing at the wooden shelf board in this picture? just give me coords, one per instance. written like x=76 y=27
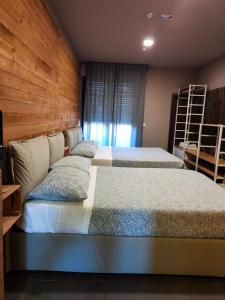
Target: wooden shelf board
x=205 y=156
x=8 y=190
x=222 y=184
x=8 y=222
x=202 y=168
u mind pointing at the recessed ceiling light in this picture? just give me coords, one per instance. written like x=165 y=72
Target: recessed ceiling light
x=149 y=15
x=165 y=17
x=148 y=42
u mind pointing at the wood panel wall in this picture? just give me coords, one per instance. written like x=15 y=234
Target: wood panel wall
x=39 y=76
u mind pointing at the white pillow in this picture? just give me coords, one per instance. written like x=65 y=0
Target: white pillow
x=70 y=138
x=30 y=162
x=79 y=134
x=84 y=149
x=56 y=147
x=62 y=184
x=77 y=162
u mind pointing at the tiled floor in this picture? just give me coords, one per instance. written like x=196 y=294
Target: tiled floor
x=69 y=286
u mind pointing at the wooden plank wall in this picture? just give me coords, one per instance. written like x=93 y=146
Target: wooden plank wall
x=39 y=76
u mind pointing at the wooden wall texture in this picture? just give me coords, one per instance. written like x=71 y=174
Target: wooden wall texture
x=39 y=76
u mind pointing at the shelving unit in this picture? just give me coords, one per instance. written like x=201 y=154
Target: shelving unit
x=189 y=115
x=211 y=153
x=11 y=206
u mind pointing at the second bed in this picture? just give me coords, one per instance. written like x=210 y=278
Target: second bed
x=134 y=157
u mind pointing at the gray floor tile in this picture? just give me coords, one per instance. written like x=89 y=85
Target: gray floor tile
x=47 y=275
x=144 y=291
x=48 y=290
x=206 y=291
x=19 y=275
x=14 y=289
x=88 y=290
x=79 y=286
x=65 y=290
x=89 y=276
x=189 y=279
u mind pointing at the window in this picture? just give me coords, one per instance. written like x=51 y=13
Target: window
x=114 y=100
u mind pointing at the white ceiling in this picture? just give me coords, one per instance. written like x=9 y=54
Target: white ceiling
x=113 y=30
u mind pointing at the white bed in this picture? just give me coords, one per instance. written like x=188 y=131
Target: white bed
x=57 y=236
x=136 y=202
x=138 y=157
x=134 y=157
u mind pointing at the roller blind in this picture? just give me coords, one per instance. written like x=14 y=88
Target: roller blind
x=115 y=94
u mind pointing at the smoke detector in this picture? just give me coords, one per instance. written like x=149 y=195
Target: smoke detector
x=165 y=17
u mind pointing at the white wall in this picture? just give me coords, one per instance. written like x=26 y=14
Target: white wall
x=161 y=84
x=213 y=74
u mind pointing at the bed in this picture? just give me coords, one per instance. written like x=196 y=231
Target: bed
x=134 y=157
x=135 y=202
x=152 y=221
x=151 y=215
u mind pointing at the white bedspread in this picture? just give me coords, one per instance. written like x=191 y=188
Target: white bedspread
x=59 y=216
x=136 y=157
x=136 y=202
x=103 y=157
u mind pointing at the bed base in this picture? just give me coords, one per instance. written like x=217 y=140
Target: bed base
x=107 y=254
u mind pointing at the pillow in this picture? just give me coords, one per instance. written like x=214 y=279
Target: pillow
x=84 y=149
x=56 y=147
x=79 y=134
x=77 y=162
x=91 y=142
x=62 y=184
x=70 y=138
x=30 y=162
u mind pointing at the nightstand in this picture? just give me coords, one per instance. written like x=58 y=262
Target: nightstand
x=11 y=206
x=66 y=151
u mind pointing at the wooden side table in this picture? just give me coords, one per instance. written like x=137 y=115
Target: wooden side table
x=11 y=206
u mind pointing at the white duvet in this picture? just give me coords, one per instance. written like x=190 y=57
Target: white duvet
x=59 y=216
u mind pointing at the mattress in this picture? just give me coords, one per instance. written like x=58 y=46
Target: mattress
x=135 y=157
x=136 y=202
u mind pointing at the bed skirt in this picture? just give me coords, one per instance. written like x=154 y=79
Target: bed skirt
x=109 y=254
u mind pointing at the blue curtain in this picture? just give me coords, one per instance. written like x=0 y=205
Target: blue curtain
x=114 y=103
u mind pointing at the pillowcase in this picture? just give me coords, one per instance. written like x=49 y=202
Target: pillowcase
x=70 y=138
x=84 y=149
x=91 y=142
x=62 y=184
x=56 y=147
x=30 y=162
x=79 y=134
x=77 y=162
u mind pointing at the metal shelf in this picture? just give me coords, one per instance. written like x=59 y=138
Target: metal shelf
x=192 y=93
x=214 y=159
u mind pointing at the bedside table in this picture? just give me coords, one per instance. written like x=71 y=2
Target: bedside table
x=11 y=206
